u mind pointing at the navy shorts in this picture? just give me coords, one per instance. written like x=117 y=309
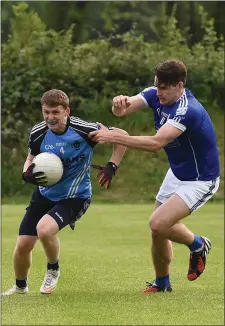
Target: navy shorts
x=64 y=212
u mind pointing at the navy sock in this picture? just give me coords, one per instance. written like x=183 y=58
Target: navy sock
x=196 y=244
x=54 y=266
x=162 y=281
x=21 y=283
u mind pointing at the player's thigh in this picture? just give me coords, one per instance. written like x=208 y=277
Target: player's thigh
x=157 y=205
x=69 y=211
x=38 y=207
x=189 y=196
x=169 y=186
x=170 y=212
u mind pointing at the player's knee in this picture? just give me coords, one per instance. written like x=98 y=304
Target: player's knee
x=155 y=226
x=46 y=228
x=24 y=245
x=43 y=231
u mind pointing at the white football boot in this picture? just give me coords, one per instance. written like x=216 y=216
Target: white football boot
x=15 y=289
x=50 y=281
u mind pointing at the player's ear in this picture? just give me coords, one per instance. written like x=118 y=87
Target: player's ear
x=180 y=84
x=67 y=111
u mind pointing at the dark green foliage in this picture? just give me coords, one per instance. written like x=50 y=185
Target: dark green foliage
x=36 y=59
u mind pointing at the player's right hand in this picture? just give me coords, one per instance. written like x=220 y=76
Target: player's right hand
x=106 y=173
x=120 y=104
x=35 y=178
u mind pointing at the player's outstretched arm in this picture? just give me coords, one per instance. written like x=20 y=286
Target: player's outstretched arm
x=146 y=143
x=123 y=105
x=118 y=150
x=107 y=172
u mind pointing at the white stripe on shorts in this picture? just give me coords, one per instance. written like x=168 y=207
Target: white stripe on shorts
x=204 y=197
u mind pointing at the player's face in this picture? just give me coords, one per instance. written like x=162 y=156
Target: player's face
x=56 y=118
x=168 y=94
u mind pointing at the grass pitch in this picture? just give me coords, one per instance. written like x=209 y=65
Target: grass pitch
x=104 y=265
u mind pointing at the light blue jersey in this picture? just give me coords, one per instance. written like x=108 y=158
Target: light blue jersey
x=194 y=154
x=75 y=150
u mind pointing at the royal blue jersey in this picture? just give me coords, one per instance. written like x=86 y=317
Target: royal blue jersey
x=194 y=154
x=75 y=150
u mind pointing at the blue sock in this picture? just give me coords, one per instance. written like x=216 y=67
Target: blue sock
x=162 y=281
x=196 y=244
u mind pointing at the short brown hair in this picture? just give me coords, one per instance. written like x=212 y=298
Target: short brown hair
x=171 y=72
x=55 y=97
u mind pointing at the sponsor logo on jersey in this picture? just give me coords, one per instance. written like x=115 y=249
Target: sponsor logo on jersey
x=49 y=147
x=76 y=144
x=60 y=144
x=165 y=115
x=182 y=110
x=77 y=159
x=164 y=118
x=59 y=216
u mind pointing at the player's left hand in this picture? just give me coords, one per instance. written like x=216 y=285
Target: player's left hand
x=106 y=174
x=35 y=178
x=102 y=135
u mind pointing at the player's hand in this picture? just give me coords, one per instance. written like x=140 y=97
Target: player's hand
x=106 y=173
x=37 y=178
x=101 y=136
x=120 y=104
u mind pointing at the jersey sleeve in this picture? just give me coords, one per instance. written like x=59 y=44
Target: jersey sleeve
x=148 y=95
x=30 y=145
x=83 y=128
x=35 y=138
x=185 y=117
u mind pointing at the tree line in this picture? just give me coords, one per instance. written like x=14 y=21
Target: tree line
x=93 y=19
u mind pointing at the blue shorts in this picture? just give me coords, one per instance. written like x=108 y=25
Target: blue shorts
x=64 y=212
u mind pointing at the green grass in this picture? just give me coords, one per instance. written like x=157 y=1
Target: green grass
x=104 y=265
